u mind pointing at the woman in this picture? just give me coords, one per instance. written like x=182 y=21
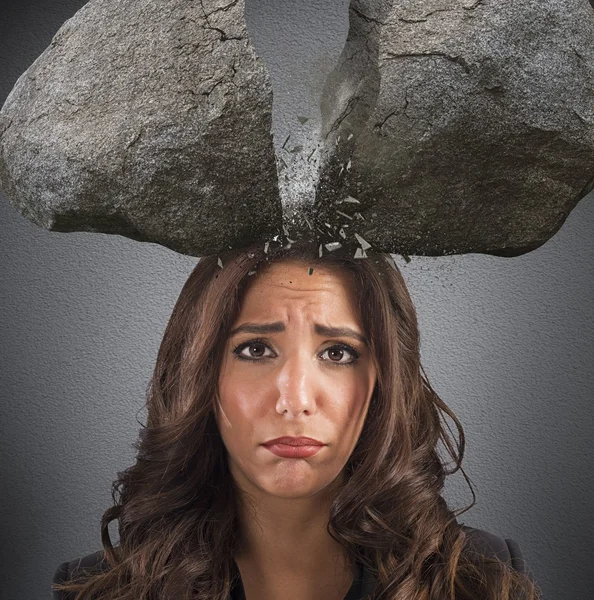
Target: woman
x=284 y=342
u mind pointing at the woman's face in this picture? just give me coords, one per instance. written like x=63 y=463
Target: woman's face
x=296 y=380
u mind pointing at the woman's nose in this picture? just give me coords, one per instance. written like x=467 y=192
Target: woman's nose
x=299 y=385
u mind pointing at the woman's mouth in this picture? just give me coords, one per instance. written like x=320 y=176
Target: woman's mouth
x=287 y=451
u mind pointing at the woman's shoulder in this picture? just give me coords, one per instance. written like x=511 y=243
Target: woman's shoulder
x=68 y=569
x=506 y=549
x=487 y=542
x=93 y=561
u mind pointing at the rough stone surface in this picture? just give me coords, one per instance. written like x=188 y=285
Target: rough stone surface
x=458 y=125
x=147 y=119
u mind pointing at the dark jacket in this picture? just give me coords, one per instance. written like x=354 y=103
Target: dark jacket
x=485 y=542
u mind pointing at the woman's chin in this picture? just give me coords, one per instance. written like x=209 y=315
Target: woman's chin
x=293 y=485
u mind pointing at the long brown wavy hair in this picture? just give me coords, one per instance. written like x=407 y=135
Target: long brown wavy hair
x=176 y=507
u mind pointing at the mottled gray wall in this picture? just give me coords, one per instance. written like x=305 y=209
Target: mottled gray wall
x=507 y=343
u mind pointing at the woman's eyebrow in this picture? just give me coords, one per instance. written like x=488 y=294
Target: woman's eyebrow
x=278 y=326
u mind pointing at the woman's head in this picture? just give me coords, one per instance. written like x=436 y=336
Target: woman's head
x=296 y=363
x=208 y=413
x=305 y=379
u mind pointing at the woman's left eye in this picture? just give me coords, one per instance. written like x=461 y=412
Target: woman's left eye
x=337 y=347
x=342 y=348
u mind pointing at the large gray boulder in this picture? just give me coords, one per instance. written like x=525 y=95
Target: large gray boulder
x=455 y=126
x=147 y=119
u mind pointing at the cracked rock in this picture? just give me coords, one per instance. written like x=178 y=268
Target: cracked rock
x=458 y=126
x=149 y=120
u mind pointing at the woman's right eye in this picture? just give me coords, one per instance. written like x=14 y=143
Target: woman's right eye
x=249 y=345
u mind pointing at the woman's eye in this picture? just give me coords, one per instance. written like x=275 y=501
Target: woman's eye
x=335 y=353
x=249 y=345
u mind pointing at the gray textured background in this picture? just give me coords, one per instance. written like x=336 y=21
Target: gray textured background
x=507 y=343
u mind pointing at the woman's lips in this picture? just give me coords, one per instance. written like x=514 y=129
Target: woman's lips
x=300 y=440
x=287 y=451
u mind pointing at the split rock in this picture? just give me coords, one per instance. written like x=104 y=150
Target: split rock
x=459 y=125
x=150 y=120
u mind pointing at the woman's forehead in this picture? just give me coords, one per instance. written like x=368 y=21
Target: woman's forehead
x=304 y=271
x=296 y=282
